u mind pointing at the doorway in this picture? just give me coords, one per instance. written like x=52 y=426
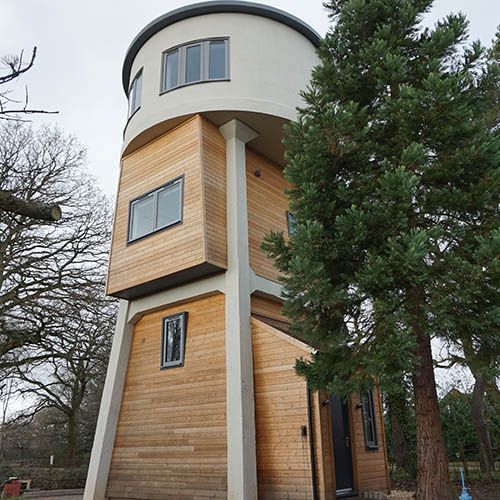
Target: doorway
x=344 y=477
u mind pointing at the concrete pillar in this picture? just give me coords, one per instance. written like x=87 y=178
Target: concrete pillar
x=241 y=457
x=109 y=411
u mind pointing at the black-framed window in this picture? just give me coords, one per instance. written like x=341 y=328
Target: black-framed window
x=134 y=94
x=156 y=210
x=369 y=421
x=195 y=62
x=173 y=340
x=291 y=220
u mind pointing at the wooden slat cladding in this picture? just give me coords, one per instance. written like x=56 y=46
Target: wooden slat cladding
x=370 y=465
x=324 y=440
x=283 y=453
x=214 y=179
x=171 y=436
x=196 y=150
x=181 y=247
x=267 y=206
x=267 y=307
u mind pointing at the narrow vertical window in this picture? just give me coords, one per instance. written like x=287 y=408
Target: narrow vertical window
x=369 y=422
x=173 y=340
x=142 y=217
x=134 y=94
x=171 y=68
x=169 y=205
x=193 y=63
x=217 y=60
x=291 y=220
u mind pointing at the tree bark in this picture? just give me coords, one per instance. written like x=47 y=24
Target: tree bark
x=72 y=438
x=29 y=208
x=481 y=426
x=433 y=478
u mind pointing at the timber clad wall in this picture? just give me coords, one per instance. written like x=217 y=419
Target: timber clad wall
x=283 y=454
x=370 y=465
x=196 y=150
x=214 y=176
x=171 y=436
x=267 y=206
x=266 y=307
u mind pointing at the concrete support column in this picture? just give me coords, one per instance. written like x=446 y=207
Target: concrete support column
x=109 y=411
x=241 y=457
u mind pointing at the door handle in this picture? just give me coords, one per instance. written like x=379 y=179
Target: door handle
x=347 y=442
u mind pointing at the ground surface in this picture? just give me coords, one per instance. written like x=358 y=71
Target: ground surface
x=478 y=490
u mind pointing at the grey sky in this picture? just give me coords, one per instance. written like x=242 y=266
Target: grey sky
x=81 y=46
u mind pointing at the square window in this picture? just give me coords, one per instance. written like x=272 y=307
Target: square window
x=157 y=210
x=173 y=340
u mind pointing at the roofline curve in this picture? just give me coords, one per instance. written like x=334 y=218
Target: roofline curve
x=218 y=6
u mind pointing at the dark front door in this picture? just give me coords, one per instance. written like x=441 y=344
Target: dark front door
x=344 y=479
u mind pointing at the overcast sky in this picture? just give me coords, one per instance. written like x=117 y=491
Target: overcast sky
x=81 y=46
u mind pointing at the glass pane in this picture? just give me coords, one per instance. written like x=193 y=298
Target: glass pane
x=142 y=217
x=173 y=340
x=138 y=89
x=169 y=205
x=368 y=419
x=171 y=70
x=193 y=63
x=131 y=100
x=217 y=60
x=291 y=220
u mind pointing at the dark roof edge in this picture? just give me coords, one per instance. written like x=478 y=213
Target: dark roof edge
x=219 y=6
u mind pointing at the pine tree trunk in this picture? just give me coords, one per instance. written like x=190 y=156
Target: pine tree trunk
x=433 y=478
x=481 y=426
x=398 y=415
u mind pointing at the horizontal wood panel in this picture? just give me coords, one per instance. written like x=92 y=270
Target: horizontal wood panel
x=283 y=456
x=371 y=466
x=178 y=248
x=267 y=307
x=171 y=436
x=214 y=182
x=267 y=206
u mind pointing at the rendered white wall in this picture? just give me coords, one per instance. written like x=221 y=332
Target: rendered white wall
x=269 y=64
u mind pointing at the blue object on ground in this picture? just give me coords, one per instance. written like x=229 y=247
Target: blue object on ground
x=464 y=495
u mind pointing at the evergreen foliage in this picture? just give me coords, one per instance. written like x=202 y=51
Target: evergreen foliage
x=394 y=164
x=396 y=174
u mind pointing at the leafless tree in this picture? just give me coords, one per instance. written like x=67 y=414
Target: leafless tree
x=44 y=266
x=66 y=369
x=15 y=109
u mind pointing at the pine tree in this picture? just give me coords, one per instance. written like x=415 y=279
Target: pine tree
x=395 y=174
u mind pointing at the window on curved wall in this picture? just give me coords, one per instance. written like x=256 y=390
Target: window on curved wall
x=195 y=62
x=134 y=94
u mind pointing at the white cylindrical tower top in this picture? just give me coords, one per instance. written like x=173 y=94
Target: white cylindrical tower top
x=225 y=59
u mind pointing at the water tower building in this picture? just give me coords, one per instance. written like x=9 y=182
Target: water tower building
x=201 y=398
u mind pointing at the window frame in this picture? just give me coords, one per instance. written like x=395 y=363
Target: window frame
x=290 y=220
x=155 y=192
x=133 y=88
x=204 y=63
x=368 y=406
x=180 y=362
